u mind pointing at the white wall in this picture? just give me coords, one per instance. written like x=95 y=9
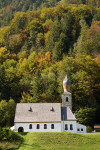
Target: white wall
x=68 y=123
x=81 y=127
x=57 y=127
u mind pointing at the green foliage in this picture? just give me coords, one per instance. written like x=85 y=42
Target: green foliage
x=52 y=91
x=89 y=129
x=7 y=135
x=9 y=139
x=86 y=116
x=36 y=87
x=7 y=112
x=38 y=47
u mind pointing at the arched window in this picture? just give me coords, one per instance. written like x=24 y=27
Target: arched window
x=66 y=99
x=45 y=126
x=38 y=126
x=20 y=129
x=71 y=127
x=52 y=126
x=81 y=129
x=66 y=127
x=78 y=129
x=30 y=126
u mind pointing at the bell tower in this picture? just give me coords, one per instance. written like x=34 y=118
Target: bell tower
x=66 y=97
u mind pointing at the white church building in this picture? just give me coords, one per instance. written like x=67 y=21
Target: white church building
x=48 y=117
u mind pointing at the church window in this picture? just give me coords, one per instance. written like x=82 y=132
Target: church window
x=66 y=127
x=66 y=99
x=52 y=126
x=81 y=129
x=78 y=129
x=30 y=126
x=71 y=127
x=38 y=126
x=45 y=126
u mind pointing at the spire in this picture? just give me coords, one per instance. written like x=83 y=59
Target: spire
x=66 y=84
x=66 y=97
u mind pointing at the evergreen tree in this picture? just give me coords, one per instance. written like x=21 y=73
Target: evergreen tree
x=36 y=87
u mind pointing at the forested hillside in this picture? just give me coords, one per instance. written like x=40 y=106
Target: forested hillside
x=10 y=7
x=37 y=48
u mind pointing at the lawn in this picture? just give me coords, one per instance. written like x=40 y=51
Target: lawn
x=9 y=145
x=60 y=141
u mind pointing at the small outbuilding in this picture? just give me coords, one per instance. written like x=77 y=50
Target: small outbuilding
x=97 y=128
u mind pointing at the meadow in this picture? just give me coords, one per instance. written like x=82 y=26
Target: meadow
x=60 y=141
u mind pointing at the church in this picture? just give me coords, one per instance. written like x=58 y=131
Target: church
x=48 y=117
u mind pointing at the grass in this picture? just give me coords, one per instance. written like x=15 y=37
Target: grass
x=60 y=141
x=9 y=145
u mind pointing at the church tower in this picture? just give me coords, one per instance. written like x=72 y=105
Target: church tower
x=66 y=97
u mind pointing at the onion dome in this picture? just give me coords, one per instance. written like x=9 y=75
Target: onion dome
x=66 y=84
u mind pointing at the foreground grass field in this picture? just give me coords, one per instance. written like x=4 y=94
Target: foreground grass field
x=9 y=145
x=60 y=141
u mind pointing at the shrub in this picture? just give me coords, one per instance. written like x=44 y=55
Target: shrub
x=7 y=135
x=89 y=129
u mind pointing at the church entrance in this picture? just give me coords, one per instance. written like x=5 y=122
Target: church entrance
x=20 y=129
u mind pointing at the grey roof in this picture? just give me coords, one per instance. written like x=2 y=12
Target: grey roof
x=38 y=112
x=66 y=114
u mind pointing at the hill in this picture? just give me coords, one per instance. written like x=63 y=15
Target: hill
x=9 y=8
x=60 y=141
x=36 y=50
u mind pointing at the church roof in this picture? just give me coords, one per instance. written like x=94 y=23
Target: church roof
x=66 y=114
x=38 y=112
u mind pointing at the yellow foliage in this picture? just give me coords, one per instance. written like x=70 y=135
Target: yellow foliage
x=47 y=25
x=26 y=98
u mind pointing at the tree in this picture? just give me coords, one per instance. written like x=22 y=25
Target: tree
x=11 y=112
x=86 y=116
x=3 y=113
x=7 y=113
x=60 y=47
x=15 y=43
x=79 y=46
x=53 y=36
x=52 y=91
x=36 y=87
x=92 y=43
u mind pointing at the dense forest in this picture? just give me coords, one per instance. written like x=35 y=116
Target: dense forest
x=39 y=42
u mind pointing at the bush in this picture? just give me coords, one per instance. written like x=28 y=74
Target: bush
x=86 y=116
x=89 y=129
x=7 y=135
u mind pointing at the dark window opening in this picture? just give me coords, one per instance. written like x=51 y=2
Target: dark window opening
x=45 y=126
x=20 y=129
x=52 y=126
x=81 y=129
x=66 y=127
x=66 y=99
x=78 y=129
x=38 y=126
x=71 y=127
x=30 y=126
